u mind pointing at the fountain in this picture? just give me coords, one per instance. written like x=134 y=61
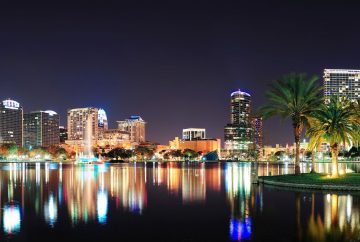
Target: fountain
x=87 y=156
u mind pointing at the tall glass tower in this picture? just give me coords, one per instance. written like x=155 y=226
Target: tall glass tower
x=341 y=82
x=238 y=133
x=11 y=122
x=41 y=129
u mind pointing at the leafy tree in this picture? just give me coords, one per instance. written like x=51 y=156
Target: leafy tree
x=143 y=152
x=22 y=151
x=38 y=152
x=336 y=122
x=295 y=97
x=190 y=154
x=4 y=151
x=120 y=153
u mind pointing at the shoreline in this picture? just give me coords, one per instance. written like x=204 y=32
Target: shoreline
x=308 y=181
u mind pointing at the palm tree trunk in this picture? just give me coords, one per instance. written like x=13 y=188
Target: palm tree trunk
x=313 y=161
x=297 y=133
x=334 y=160
x=298 y=215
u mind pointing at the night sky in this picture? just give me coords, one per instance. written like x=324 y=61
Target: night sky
x=174 y=63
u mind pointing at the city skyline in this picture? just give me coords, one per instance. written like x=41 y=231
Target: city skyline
x=113 y=123
x=157 y=61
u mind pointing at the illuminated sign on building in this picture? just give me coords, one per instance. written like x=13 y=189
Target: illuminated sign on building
x=11 y=104
x=102 y=118
x=50 y=112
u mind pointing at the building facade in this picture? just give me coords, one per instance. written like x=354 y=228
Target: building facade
x=78 y=120
x=238 y=133
x=201 y=145
x=63 y=134
x=41 y=129
x=193 y=134
x=135 y=126
x=257 y=128
x=11 y=122
x=342 y=82
x=102 y=121
x=114 y=138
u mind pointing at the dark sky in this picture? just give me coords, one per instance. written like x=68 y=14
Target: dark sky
x=174 y=63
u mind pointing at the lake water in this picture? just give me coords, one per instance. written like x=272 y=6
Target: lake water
x=168 y=202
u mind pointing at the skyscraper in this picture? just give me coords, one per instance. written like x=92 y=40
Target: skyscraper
x=135 y=125
x=238 y=133
x=77 y=119
x=342 y=82
x=11 y=122
x=102 y=121
x=41 y=129
x=257 y=128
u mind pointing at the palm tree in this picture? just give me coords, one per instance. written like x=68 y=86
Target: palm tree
x=337 y=122
x=295 y=97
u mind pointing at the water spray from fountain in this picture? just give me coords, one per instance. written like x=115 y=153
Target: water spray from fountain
x=88 y=154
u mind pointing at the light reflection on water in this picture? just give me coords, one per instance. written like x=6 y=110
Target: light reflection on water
x=87 y=192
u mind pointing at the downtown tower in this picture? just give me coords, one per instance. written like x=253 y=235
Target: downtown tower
x=238 y=134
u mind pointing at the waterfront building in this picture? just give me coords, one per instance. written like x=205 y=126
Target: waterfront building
x=193 y=134
x=135 y=126
x=257 y=128
x=41 y=129
x=201 y=145
x=114 y=138
x=11 y=122
x=63 y=134
x=342 y=82
x=80 y=123
x=238 y=133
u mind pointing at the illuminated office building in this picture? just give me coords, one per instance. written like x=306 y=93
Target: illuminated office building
x=11 y=122
x=342 y=82
x=102 y=121
x=80 y=121
x=193 y=134
x=41 y=129
x=135 y=126
x=238 y=133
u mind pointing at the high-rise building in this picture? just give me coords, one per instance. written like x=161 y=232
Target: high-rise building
x=238 y=133
x=135 y=126
x=257 y=128
x=342 y=82
x=63 y=134
x=193 y=134
x=77 y=121
x=41 y=129
x=11 y=122
x=102 y=120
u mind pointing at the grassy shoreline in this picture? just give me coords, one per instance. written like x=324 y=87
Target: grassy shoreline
x=316 y=181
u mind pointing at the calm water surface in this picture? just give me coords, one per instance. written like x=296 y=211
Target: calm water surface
x=167 y=202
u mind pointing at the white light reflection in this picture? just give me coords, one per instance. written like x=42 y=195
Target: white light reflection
x=102 y=206
x=37 y=173
x=12 y=218
x=50 y=210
